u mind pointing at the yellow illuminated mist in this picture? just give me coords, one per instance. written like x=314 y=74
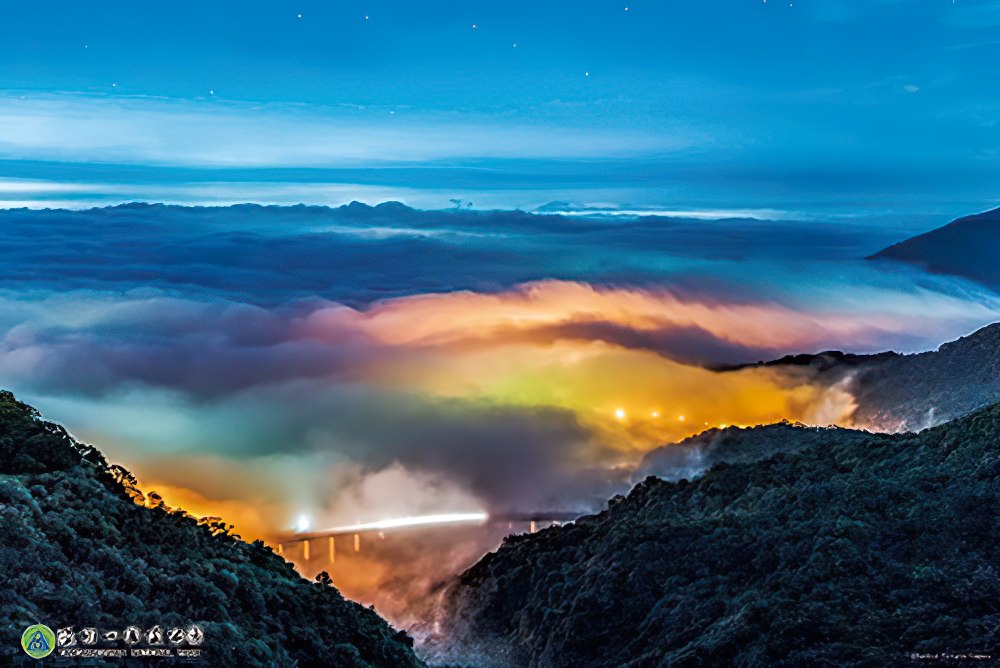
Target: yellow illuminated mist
x=631 y=399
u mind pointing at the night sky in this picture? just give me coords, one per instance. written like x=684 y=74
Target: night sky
x=814 y=108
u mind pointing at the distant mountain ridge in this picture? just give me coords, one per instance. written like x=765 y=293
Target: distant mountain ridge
x=358 y=254
x=78 y=551
x=968 y=247
x=837 y=548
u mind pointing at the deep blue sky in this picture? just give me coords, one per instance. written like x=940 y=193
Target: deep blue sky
x=806 y=107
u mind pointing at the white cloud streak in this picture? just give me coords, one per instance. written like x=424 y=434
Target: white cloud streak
x=219 y=134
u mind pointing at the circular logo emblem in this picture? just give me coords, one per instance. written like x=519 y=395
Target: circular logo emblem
x=38 y=641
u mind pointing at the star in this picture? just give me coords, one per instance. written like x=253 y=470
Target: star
x=298 y=16
x=586 y=74
x=211 y=92
x=366 y=17
x=515 y=45
x=474 y=26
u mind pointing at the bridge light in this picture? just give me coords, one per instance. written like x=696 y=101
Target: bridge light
x=403 y=522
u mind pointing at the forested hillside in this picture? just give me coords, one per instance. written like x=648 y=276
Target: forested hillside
x=77 y=549
x=853 y=549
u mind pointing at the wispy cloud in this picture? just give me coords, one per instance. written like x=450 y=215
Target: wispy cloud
x=193 y=133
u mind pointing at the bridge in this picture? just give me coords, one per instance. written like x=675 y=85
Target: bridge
x=533 y=519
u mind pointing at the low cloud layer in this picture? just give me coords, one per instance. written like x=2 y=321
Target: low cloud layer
x=537 y=397
x=344 y=366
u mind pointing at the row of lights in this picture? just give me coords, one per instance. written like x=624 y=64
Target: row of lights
x=621 y=415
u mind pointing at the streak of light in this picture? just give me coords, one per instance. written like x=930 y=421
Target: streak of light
x=420 y=520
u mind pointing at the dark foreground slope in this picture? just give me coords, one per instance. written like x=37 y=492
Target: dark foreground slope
x=853 y=550
x=75 y=549
x=966 y=247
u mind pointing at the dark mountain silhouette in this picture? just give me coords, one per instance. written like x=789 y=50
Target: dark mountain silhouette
x=78 y=549
x=837 y=548
x=897 y=392
x=966 y=247
x=911 y=392
x=824 y=361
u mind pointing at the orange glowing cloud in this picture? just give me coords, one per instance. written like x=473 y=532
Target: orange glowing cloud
x=252 y=521
x=630 y=399
x=457 y=317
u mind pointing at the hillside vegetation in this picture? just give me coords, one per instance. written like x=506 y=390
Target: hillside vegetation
x=854 y=549
x=77 y=549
